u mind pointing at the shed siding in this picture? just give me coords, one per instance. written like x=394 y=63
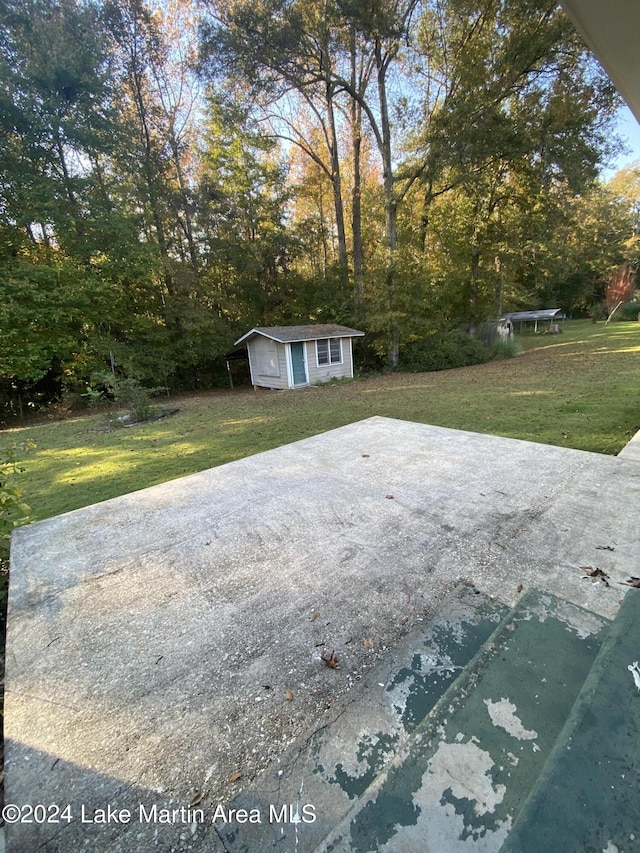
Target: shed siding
x=329 y=371
x=268 y=364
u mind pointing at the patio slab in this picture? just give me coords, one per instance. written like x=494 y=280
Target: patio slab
x=165 y=647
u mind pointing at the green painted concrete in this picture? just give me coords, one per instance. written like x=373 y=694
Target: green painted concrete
x=449 y=648
x=588 y=795
x=334 y=765
x=470 y=766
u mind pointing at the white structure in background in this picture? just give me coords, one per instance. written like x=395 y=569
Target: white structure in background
x=296 y=356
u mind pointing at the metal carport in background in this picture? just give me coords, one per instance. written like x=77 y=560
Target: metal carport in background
x=548 y=315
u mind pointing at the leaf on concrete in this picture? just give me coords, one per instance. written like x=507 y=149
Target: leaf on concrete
x=596 y=574
x=288 y=692
x=235 y=776
x=367 y=643
x=315 y=616
x=330 y=660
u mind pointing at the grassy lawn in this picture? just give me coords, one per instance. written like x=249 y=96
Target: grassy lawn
x=580 y=389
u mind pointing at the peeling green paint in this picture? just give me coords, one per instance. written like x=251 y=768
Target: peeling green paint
x=448 y=650
x=373 y=750
x=469 y=767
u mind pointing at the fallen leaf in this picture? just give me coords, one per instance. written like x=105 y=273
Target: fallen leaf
x=367 y=643
x=197 y=798
x=315 y=616
x=408 y=599
x=604 y=548
x=235 y=776
x=633 y=582
x=330 y=660
x=389 y=497
x=365 y=455
x=316 y=693
x=596 y=574
x=288 y=692
x=519 y=588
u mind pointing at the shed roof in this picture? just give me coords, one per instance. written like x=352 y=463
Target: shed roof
x=542 y=314
x=291 y=334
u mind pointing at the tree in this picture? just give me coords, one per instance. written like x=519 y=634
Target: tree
x=244 y=245
x=284 y=53
x=55 y=117
x=512 y=102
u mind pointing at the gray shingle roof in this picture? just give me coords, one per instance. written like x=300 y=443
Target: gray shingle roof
x=289 y=334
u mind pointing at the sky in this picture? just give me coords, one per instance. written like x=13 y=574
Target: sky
x=628 y=128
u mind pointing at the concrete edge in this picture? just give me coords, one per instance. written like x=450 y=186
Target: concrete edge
x=631 y=450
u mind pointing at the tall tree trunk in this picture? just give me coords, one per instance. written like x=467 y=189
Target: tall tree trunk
x=390 y=206
x=185 y=221
x=356 y=195
x=499 y=286
x=150 y=176
x=426 y=215
x=68 y=187
x=336 y=181
x=474 y=279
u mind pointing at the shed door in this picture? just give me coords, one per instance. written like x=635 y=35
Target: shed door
x=298 y=364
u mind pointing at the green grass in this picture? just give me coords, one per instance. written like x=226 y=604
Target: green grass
x=580 y=390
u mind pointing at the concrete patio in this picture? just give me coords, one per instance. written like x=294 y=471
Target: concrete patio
x=165 y=648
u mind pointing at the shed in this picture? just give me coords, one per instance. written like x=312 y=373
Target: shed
x=549 y=315
x=295 y=356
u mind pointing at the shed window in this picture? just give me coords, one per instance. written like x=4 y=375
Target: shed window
x=329 y=351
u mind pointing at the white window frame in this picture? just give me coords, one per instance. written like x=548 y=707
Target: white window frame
x=330 y=361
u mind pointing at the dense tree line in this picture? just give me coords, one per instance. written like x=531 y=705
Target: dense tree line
x=170 y=179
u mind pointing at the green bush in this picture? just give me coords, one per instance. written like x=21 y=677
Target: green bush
x=13 y=510
x=442 y=351
x=127 y=393
x=508 y=348
x=135 y=398
x=628 y=311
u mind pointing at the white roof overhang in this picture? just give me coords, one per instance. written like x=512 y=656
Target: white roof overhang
x=610 y=28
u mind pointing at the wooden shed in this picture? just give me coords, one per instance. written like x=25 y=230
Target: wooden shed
x=295 y=356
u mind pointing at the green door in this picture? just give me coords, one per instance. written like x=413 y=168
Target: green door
x=298 y=365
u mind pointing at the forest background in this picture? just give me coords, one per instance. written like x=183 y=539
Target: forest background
x=173 y=175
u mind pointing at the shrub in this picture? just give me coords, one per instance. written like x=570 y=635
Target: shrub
x=127 y=393
x=13 y=510
x=506 y=348
x=135 y=398
x=442 y=351
x=628 y=311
